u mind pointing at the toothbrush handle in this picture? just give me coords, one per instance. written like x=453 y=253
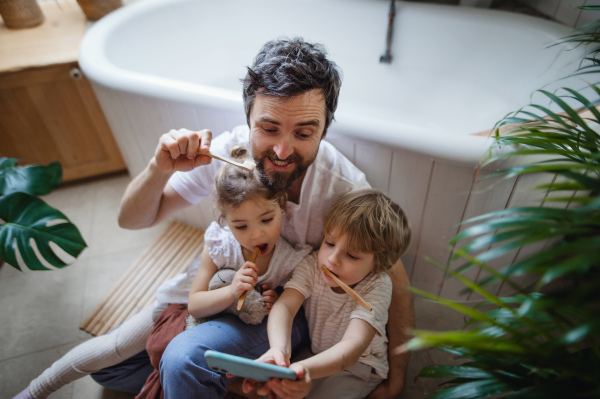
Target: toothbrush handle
x=210 y=154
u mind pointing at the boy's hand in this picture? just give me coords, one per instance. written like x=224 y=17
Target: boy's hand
x=244 y=279
x=269 y=296
x=288 y=389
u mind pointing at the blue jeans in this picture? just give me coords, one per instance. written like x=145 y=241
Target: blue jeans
x=128 y=376
x=244 y=340
x=183 y=370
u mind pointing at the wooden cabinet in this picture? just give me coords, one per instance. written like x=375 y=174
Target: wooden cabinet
x=51 y=113
x=48 y=110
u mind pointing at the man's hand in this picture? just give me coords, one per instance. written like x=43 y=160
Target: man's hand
x=178 y=150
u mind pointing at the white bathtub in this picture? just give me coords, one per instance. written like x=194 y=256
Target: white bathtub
x=162 y=64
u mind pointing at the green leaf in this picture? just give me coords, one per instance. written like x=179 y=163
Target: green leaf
x=453 y=372
x=474 y=390
x=30 y=179
x=464 y=339
x=28 y=222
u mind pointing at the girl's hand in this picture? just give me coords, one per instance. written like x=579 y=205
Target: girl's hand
x=244 y=279
x=270 y=297
x=288 y=389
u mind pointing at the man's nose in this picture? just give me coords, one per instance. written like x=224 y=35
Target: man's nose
x=283 y=148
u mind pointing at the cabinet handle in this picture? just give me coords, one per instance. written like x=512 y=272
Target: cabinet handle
x=76 y=73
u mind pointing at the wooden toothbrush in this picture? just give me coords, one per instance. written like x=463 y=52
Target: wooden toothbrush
x=248 y=165
x=346 y=288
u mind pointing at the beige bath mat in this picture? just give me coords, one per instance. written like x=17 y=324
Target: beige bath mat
x=169 y=255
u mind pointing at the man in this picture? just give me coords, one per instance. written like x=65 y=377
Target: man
x=290 y=96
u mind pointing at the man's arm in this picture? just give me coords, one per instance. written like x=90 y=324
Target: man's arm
x=400 y=321
x=149 y=199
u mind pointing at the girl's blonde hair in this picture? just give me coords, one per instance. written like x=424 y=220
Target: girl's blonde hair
x=234 y=185
x=372 y=223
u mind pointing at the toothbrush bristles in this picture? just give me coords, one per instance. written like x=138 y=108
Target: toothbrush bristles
x=249 y=165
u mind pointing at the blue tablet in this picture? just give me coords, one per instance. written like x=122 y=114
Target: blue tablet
x=242 y=367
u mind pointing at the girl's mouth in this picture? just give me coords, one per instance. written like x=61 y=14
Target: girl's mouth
x=263 y=248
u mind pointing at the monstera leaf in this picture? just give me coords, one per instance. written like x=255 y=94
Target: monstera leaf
x=35 y=235
x=30 y=179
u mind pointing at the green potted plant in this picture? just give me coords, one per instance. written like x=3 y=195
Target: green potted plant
x=544 y=340
x=32 y=233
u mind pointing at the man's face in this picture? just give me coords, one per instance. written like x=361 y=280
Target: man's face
x=285 y=134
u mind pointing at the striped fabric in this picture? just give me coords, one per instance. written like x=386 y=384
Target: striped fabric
x=329 y=313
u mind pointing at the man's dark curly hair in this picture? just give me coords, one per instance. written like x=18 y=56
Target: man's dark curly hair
x=288 y=67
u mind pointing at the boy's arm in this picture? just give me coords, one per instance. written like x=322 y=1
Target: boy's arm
x=400 y=321
x=344 y=354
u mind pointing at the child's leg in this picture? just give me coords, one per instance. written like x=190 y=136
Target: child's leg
x=356 y=382
x=95 y=354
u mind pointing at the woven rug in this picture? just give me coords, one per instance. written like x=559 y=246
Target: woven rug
x=169 y=254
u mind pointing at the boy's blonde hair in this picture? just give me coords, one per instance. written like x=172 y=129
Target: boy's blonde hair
x=372 y=223
x=234 y=185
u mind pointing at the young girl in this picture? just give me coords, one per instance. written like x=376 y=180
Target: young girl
x=250 y=216
x=365 y=234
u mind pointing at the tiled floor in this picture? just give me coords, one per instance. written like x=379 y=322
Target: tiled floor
x=40 y=311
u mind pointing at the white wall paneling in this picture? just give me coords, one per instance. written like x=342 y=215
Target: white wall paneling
x=375 y=161
x=343 y=145
x=490 y=193
x=409 y=190
x=444 y=208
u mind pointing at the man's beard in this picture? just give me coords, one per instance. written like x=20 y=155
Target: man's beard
x=281 y=180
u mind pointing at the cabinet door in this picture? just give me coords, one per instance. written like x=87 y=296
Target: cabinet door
x=52 y=113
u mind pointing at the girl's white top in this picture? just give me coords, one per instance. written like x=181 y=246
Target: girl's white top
x=226 y=253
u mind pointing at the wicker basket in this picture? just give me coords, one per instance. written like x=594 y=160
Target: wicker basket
x=18 y=14
x=96 y=9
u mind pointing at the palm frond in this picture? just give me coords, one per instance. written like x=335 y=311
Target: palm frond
x=544 y=340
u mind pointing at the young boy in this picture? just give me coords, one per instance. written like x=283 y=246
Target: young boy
x=364 y=234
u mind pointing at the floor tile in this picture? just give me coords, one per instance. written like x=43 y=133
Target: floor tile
x=88 y=388
x=416 y=387
x=430 y=315
x=17 y=373
x=40 y=309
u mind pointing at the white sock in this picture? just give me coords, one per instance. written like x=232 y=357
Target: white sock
x=95 y=354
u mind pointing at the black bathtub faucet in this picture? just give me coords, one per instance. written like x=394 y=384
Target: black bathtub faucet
x=387 y=57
